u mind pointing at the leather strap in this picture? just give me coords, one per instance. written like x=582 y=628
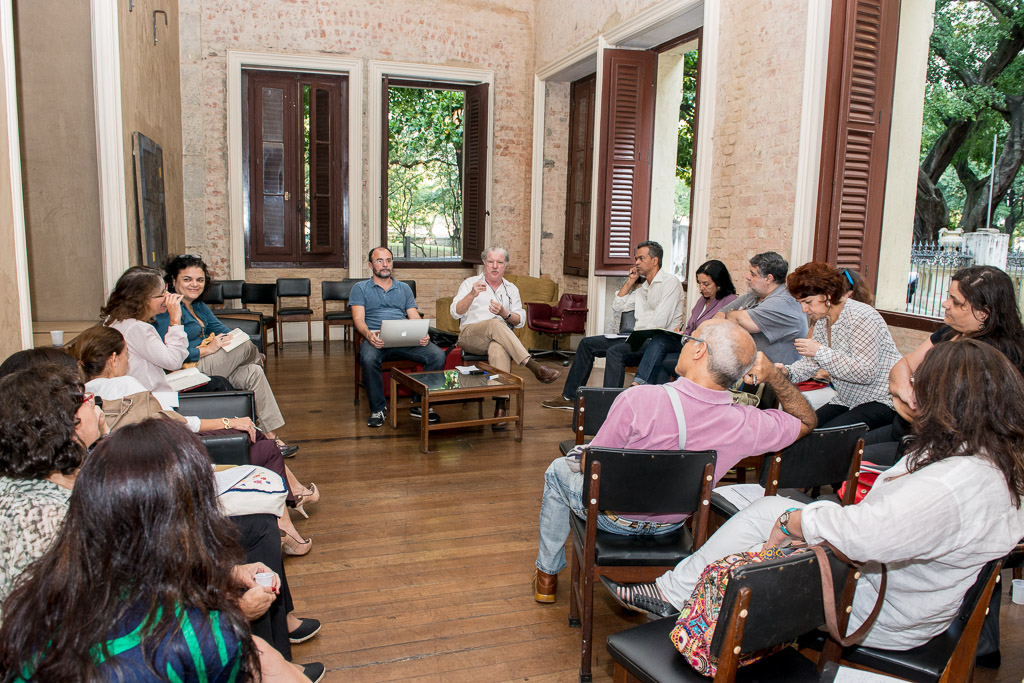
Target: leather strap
x=673 y=397
x=829 y=601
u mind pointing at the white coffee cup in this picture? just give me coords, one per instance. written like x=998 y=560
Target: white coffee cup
x=57 y=337
x=265 y=578
x=1017 y=594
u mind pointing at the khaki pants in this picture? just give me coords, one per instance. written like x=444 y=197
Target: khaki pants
x=494 y=338
x=242 y=368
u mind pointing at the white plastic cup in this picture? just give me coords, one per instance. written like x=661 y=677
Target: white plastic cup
x=267 y=578
x=1017 y=594
x=57 y=337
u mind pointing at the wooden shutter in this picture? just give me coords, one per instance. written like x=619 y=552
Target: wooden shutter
x=474 y=193
x=855 y=140
x=326 y=179
x=581 y=172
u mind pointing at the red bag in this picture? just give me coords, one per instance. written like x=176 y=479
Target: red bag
x=865 y=480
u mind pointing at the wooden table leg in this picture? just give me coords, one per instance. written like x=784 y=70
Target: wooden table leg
x=425 y=424
x=519 y=414
x=393 y=403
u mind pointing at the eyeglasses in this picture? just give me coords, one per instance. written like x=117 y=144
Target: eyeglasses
x=88 y=396
x=687 y=338
x=159 y=296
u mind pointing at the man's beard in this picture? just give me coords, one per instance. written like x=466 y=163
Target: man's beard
x=383 y=273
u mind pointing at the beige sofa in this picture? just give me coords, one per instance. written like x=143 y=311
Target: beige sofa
x=531 y=289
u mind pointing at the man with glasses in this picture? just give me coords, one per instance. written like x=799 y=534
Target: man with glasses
x=647 y=417
x=384 y=298
x=488 y=307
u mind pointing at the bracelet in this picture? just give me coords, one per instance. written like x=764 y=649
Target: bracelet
x=226 y=422
x=784 y=519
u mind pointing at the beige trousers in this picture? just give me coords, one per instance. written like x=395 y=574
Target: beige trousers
x=241 y=367
x=494 y=338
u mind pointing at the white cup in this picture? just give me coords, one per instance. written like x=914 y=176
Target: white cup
x=57 y=337
x=1017 y=594
x=265 y=578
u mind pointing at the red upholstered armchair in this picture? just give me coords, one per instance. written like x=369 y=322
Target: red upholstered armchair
x=568 y=317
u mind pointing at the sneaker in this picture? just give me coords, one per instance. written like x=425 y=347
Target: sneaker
x=377 y=418
x=432 y=417
x=306 y=630
x=314 y=671
x=560 y=403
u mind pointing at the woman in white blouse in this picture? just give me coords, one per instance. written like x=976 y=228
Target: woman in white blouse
x=850 y=341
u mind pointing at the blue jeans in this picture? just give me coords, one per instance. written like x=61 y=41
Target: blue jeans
x=658 y=348
x=371 y=358
x=563 y=495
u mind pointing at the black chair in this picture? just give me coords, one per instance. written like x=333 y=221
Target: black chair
x=412 y=286
x=231 y=291
x=589 y=413
x=293 y=288
x=821 y=458
x=946 y=658
x=224 y=449
x=642 y=482
x=337 y=290
x=262 y=295
x=214 y=295
x=765 y=605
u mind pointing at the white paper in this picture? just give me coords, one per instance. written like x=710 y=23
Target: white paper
x=229 y=477
x=740 y=495
x=846 y=674
x=237 y=338
x=168 y=399
x=180 y=380
x=616 y=336
x=466 y=369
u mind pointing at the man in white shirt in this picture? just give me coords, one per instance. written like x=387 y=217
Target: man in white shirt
x=488 y=307
x=659 y=306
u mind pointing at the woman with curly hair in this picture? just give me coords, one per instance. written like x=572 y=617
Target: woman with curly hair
x=142 y=581
x=850 y=341
x=47 y=424
x=139 y=296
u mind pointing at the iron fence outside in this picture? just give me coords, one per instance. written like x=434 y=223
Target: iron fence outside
x=931 y=268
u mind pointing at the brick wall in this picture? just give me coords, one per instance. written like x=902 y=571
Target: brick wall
x=491 y=35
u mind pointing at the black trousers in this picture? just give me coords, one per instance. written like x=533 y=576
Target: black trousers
x=873 y=414
x=261 y=541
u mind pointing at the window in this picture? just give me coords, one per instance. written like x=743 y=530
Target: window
x=433 y=171
x=581 y=171
x=296 y=166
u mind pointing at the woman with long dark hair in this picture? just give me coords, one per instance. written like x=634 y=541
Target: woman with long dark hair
x=662 y=352
x=47 y=423
x=949 y=506
x=140 y=582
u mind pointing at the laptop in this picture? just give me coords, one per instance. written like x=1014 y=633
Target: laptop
x=396 y=333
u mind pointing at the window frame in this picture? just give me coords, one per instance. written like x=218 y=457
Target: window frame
x=442 y=76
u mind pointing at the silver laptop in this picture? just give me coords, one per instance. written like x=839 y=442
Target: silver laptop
x=403 y=332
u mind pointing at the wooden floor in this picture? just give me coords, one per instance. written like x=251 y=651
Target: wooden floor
x=421 y=563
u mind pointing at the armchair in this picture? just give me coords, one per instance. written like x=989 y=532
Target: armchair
x=568 y=317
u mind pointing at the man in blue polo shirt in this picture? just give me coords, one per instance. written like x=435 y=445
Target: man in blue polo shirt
x=384 y=298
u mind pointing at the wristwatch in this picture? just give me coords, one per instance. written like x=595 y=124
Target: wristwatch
x=784 y=520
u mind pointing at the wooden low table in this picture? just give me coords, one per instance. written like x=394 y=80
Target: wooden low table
x=449 y=386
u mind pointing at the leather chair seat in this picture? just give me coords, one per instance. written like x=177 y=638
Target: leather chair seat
x=923 y=663
x=647 y=652
x=658 y=550
x=338 y=315
x=295 y=311
x=565 y=446
x=546 y=325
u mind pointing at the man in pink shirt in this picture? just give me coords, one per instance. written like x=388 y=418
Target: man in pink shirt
x=642 y=417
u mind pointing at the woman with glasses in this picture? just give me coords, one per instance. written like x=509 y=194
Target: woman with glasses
x=47 y=424
x=850 y=341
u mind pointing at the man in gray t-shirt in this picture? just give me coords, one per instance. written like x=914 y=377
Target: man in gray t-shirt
x=767 y=311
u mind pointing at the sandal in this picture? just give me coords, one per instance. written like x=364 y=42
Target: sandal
x=302 y=498
x=640 y=597
x=286 y=450
x=294 y=546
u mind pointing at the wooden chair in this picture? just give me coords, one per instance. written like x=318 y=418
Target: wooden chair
x=589 y=413
x=642 y=482
x=261 y=295
x=293 y=288
x=385 y=366
x=765 y=605
x=946 y=658
x=337 y=290
x=823 y=457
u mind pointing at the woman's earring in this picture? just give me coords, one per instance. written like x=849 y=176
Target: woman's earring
x=981 y=327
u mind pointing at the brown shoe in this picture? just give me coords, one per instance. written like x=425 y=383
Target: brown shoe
x=543 y=373
x=499 y=426
x=544 y=586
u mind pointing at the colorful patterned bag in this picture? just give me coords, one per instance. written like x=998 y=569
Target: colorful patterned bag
x=696 y=624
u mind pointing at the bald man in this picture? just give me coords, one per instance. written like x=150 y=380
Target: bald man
x=645 y=417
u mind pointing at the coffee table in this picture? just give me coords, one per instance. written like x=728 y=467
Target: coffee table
x=448 y=386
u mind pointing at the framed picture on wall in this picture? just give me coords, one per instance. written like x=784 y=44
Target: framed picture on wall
x=151 y=213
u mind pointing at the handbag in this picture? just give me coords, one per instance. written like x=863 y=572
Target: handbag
x=134 y=408
x=260 y=492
